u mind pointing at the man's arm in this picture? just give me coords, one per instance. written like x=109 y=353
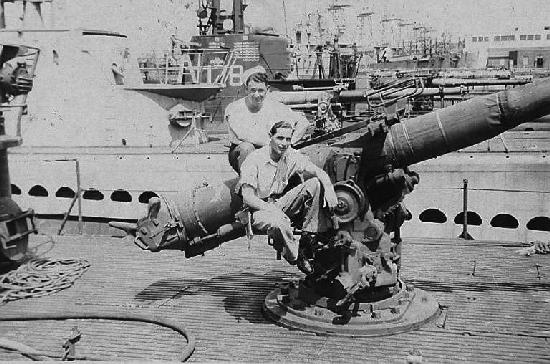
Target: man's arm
x=302 y=124
x=330 y=196
x=299 y=121
x=239 y=133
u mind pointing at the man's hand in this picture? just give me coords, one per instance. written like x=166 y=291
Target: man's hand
x=256 y=203
x=271 y=207
x=331 y=200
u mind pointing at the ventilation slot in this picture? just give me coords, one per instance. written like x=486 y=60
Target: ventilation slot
x=473 y=218
x=145 y=196
x=541 y=223
x=38 y=191
x=504 y=221
x=93 y=195
x=65 y=192
x=121 y=196
x=433 y=215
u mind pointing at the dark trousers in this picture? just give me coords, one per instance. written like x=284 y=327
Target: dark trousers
x=238 y=153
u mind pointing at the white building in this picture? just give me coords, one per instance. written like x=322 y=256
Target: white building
x=521 y=48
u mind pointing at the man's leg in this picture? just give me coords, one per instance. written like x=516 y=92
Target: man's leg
x=277 y=225
x=238 y=153
x=304 y=202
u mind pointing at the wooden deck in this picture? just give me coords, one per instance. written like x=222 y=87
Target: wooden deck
x=499 y=312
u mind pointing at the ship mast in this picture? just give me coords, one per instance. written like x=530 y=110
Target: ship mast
x=365 y=15
x=33 y=13
x=336 y=11
x=212 y=18
x=2 y=15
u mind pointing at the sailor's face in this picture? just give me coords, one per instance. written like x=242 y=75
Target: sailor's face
x=280 y=141
x=256 y=92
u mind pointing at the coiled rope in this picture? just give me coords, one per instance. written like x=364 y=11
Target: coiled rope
x=39 y=277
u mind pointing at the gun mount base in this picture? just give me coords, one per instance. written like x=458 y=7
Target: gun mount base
x=294 y=305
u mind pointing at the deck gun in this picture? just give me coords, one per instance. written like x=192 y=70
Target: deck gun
x=355 y=284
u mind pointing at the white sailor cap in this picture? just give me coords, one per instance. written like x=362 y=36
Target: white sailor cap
x=249 y=72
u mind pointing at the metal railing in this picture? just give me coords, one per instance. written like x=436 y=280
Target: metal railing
x=193 y=66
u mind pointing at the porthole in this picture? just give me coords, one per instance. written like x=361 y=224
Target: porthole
x=433 y=215
x=504 y=221
x=473 y=218
x=38 y=191
x=541 y=223
x=65 y=192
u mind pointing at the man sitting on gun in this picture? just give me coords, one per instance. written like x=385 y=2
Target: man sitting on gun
x=264 y=177
x=250 y=118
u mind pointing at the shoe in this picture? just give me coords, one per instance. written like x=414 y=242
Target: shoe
x=304 y=266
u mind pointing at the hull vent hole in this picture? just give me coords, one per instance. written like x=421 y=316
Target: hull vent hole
x=121 y=196
x=473 y=218
x=541 y=223
x=15 y=190
x=504 y=221
x=65 y=192
x=145 y=196
x=92 y=195
x=433 y=215
x=38 y=191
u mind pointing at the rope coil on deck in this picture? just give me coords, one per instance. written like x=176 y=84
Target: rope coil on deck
x=40 y=277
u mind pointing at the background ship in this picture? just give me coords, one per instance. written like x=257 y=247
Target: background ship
x=117 y=139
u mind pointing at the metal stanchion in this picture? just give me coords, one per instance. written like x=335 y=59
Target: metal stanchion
x=77 y=197
x=464 y=234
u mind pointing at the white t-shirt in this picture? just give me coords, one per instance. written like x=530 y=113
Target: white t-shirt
x=254 y=127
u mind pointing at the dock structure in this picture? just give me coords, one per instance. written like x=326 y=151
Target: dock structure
x=494 y=303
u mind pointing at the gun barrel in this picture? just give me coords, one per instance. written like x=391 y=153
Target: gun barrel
x=478 y=82
x=362 y=95
x=464 y=124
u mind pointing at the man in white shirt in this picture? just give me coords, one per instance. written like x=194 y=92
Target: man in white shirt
x=264 y=177
x=250 y=118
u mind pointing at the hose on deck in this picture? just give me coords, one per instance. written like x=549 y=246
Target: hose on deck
x=187 y=350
